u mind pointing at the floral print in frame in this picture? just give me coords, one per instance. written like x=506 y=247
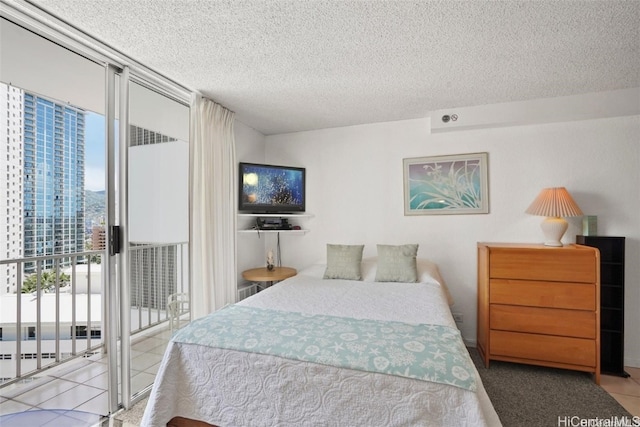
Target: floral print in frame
x=454 y=184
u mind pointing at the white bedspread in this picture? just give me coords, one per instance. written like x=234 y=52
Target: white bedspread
x=233 y=388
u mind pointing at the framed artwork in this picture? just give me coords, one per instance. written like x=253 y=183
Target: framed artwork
x=446 y=185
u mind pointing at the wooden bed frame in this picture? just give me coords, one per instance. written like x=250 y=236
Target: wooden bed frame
x=186 y=422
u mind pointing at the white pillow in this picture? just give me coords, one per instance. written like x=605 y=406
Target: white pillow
x=428 y=272
x=369 y=269
x=315 y=270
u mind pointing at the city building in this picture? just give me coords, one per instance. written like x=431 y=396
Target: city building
x=53 y=179
x=11 y=167
x=98 y=237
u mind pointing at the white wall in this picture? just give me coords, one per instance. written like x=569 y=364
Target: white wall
x=355 y=191
x=250 y=147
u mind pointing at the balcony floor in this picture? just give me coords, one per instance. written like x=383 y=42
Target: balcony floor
x=75 y=392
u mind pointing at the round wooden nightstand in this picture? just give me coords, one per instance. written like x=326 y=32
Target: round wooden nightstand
x=263 y=275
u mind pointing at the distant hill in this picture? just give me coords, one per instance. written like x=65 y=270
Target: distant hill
x=95 y=207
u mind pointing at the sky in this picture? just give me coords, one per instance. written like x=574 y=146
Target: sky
x=94 y=152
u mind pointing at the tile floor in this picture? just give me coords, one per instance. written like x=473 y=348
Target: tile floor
x=75 y=393
x=625 y=390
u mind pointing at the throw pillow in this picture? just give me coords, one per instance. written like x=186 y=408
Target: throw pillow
x=343 y=262
x=397 y=263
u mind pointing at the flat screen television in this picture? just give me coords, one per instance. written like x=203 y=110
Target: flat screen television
x=271 y=189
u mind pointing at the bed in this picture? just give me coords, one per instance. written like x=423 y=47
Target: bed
x=234 y=386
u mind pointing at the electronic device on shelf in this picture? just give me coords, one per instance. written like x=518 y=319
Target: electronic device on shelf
x=271 y=189
x=270 y=223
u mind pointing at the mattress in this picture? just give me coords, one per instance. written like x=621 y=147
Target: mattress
x=227 y=387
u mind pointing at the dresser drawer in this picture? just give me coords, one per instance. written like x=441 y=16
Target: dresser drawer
x=548 y=348
x=550 y=321
x=578 y=296
x=548 y=264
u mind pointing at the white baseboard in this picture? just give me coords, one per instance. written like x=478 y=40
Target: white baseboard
x=469 y=343
x=634 y=363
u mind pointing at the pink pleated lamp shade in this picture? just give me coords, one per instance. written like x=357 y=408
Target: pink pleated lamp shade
x=554 y=202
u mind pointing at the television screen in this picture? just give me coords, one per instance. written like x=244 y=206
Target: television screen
x=271 y=189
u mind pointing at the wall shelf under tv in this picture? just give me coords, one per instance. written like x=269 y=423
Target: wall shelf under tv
x=246 y=221
x=273 y=231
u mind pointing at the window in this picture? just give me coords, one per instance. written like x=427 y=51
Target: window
x=33 y=356
x=81 y=332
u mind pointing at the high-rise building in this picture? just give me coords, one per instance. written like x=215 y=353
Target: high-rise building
x=11 y=167
x=53 y=179
x=98 y=237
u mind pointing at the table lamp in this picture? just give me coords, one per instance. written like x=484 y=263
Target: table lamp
x=554 y=203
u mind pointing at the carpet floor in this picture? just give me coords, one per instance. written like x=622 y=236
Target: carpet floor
x=133 y=416
x=523 y=396
x=526 y=395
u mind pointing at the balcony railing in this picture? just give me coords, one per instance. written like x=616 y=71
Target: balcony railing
x=61 y=315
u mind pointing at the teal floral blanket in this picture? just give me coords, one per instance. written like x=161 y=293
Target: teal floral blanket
x=425 y=352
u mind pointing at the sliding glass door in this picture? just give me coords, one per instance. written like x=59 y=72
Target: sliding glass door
x=54 y=146
x=154 y=222
x=94 y=229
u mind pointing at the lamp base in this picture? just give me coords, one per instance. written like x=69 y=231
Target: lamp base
x=553 y=229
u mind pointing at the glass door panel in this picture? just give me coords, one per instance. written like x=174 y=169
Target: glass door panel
x=157 y=227
x=52 y=220
x=52 y=152
x=86 y=149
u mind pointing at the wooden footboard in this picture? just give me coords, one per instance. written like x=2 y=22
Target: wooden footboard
x=186 y=422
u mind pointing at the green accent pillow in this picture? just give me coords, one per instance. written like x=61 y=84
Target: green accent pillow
x=397 y=263
x=343 y=262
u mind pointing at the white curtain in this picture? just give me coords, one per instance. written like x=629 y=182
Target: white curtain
x=213 y=217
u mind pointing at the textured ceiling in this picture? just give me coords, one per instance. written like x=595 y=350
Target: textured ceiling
x=286 y=66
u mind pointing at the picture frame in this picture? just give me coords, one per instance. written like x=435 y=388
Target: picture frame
x=446 y=185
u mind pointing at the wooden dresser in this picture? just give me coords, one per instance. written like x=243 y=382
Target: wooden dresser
x=539 y=305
